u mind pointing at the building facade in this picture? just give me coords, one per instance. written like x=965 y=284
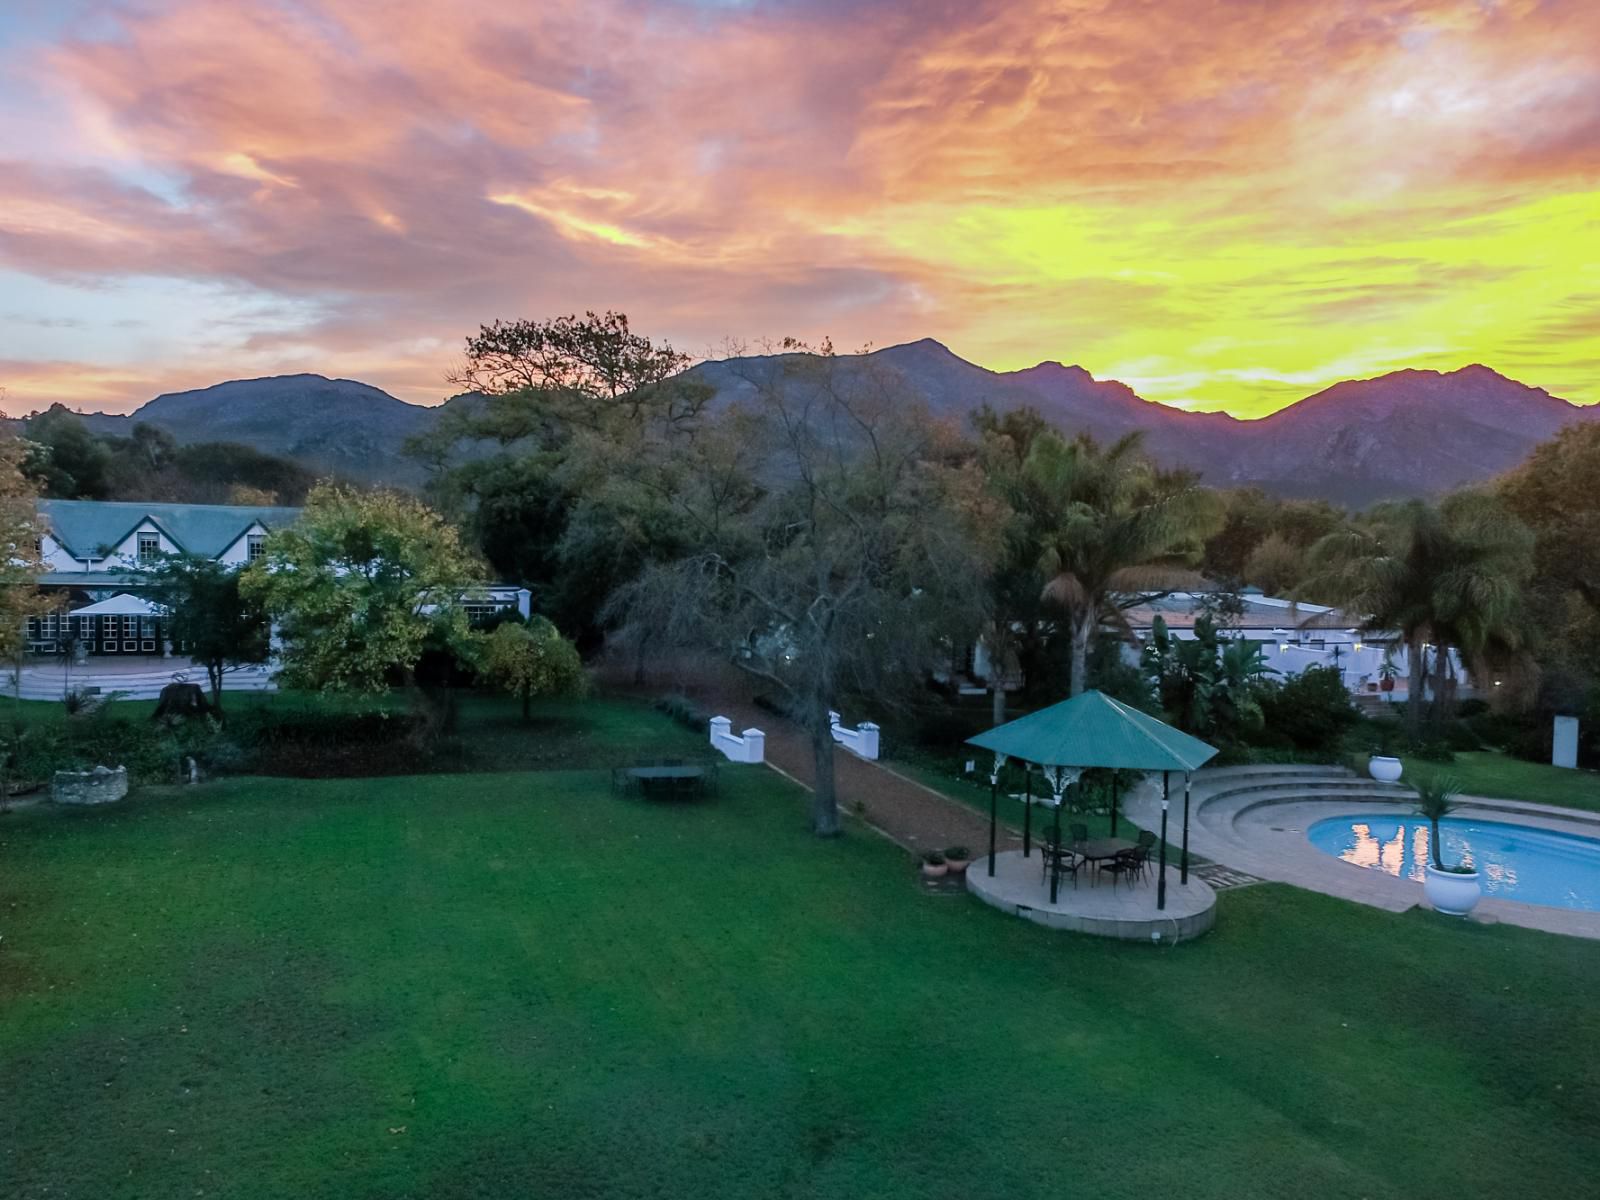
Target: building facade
x=93 y=549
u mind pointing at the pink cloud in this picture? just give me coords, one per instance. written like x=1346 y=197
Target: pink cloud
x=414 y=168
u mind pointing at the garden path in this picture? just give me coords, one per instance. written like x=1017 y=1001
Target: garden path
x=903 y=810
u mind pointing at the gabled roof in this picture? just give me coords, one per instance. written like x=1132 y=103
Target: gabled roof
x=1093 y=730
x=88 y=527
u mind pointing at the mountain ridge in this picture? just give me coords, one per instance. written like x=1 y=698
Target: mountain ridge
x=1414 y=431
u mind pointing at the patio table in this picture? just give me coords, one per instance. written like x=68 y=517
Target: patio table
x=1099 y=850
x=662 y=780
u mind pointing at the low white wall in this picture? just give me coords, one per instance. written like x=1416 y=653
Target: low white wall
x=750 y=747
x=861 y=741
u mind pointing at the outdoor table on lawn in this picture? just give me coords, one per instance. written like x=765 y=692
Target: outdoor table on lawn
x=1099 y=850
x=667 y=780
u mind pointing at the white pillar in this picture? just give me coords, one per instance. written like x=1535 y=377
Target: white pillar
x=869 y=741
x=755 y=743
x=1564 y=745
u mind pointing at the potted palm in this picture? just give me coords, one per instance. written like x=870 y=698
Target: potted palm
x=1455 y=889
x=933 y=864
x=956 y=859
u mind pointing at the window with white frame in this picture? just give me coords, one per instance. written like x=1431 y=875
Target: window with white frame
x=149 y=546
x=255 y=546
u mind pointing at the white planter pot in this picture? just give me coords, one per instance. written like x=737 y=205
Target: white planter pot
x=1384 y=769
x=1450 y=893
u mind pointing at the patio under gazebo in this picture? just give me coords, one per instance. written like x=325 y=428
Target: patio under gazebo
x=1060 y=743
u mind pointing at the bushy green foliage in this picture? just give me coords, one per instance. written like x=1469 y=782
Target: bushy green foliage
x=1312 y=711
x=1209 y=686
x=685 y=712
x=360 y=586
x=531 y=660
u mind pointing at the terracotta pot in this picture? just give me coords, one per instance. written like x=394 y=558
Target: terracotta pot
x=1386 y=683
x=934 y=870
x=957 y=865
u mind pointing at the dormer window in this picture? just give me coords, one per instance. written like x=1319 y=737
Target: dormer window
x=149 y=547
x=255 y=546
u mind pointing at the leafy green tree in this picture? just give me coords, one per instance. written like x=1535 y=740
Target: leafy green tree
x=1554 y=493
x=1208 y=685
x=360 y=586
x=20 y=561
x=553 y=407
x=1113 y=523
x=69 y=462
x=221 y=626
x=1445 y=577
x=531 y=660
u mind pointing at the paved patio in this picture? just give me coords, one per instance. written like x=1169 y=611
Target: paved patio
x=1263 y=832
x=1127 y=910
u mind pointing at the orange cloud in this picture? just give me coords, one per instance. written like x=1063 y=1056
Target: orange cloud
x=1216 y=201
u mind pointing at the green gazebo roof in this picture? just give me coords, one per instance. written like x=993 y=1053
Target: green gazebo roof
x=1093 y=730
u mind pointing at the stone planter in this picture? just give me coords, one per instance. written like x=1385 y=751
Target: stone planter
x=1384 y=769
x=934 y=870
x=99 y=786
x=1451 y=892
x=957 y=866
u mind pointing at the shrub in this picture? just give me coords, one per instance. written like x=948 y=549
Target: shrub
x=1312 y=710
x=684 y=711
x=957 y=854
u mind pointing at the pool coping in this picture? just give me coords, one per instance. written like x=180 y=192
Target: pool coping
x=1268 y=839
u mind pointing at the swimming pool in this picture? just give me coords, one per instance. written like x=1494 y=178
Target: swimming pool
x=1515 y=862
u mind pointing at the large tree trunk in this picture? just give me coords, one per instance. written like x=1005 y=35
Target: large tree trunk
x=824 y=797
x=1441 y=690
x=1082 y=626
x=1416 y=684
x=997 y=710
x=214 y=675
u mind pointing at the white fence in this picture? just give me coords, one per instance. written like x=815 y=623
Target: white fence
x=861 y=741
x=751 y=747
x=51 y=682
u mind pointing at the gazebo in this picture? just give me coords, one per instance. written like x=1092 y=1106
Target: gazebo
x=1092 y=730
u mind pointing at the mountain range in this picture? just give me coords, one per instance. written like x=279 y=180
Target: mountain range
x=1406 y=433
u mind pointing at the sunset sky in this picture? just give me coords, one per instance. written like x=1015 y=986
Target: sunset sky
x=1224 y=203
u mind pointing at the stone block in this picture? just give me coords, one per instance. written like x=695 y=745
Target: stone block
x=99 y=786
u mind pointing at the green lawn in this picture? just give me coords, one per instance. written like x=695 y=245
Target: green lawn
x=1485 y=773
x=508 y=985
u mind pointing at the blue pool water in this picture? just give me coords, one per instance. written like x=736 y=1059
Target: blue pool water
x=1515 y=862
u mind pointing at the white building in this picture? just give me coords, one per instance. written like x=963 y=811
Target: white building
x=1293 y=636
x=92 y=550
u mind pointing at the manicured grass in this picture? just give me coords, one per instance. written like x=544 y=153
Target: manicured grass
x=1485 y=773
x=521 y=985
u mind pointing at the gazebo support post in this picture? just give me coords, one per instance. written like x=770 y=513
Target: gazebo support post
x=1055 y=861
x=1183 y=870
x=1114 y=786
x=994 y=792
x=1027 y=812
x=994 y=806
x=1161 y=885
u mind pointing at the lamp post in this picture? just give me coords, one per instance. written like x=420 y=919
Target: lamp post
x=1161 y=885
x=1183 y=869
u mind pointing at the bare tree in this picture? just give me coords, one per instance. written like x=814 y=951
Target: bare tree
x=828 y=552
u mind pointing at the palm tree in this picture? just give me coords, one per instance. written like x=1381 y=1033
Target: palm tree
x=1112 y=523
x=1446 y=577
x=1436 y=799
